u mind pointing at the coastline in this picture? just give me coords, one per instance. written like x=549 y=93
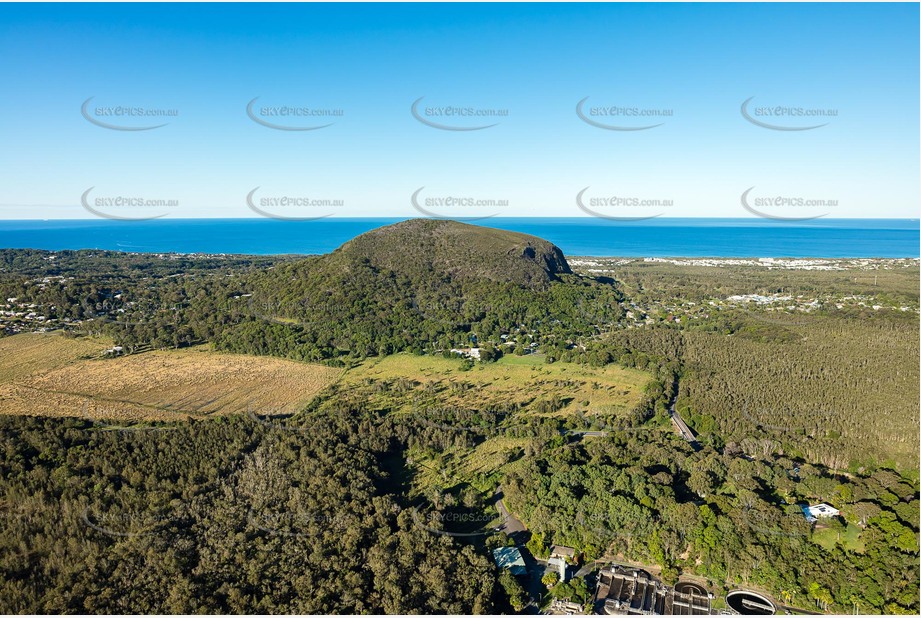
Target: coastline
x=655 y=238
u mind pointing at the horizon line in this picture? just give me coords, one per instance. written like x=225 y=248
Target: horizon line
x=459 y=219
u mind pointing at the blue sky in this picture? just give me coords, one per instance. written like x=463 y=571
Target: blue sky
x=694 y=63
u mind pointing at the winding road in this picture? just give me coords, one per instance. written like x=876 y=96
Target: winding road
x=518 y=532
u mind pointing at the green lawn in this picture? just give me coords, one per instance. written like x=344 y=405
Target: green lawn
x=849 y=538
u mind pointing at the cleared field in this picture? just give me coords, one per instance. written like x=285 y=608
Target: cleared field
x=512 y=380
x=25 y=354
x=67 y=377
x=849 y=538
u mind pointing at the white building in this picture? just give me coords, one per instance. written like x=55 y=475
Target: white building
x=813 y=513
x=467 y=352
x=560 y=565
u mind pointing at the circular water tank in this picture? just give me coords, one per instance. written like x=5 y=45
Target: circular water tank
x=749 y=603
x=690 y=588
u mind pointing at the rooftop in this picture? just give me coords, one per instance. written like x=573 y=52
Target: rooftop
x=509 y=558
x=820 y=510
x=562 y=550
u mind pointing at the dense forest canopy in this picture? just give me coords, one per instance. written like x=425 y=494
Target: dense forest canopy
x=225 y=516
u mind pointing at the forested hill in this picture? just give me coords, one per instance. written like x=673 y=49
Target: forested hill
x=418 y=285
x=457 y=250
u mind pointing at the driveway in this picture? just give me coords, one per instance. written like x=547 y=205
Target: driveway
x=510 y=524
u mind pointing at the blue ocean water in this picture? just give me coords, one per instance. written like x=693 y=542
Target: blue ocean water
x=824 y=238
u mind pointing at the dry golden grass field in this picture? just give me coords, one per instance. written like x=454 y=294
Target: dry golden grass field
x=49 y=375
x=513 y=379
x=29 y=353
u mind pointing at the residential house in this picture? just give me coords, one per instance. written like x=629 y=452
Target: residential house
x=813 y=513
x=510 y=558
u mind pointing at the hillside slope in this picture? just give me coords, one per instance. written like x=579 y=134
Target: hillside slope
x=419 y=285
x=457 y=250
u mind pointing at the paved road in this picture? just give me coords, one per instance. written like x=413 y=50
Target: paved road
x=683 y=430
x=682 y=427
x=679 y=423
x=516 y=529
x=511 y=525
x=588 y=567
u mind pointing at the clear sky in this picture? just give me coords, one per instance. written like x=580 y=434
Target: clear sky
x=693 y=65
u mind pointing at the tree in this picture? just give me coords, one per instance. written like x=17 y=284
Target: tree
x=516 y=595
x=537 y=547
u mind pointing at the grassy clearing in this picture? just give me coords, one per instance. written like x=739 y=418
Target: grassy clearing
x=528 y=360
x=401 y=382
x=28 y=353
x=519 y=380
x=68 y=377
x=475 y=466
x=849 y=538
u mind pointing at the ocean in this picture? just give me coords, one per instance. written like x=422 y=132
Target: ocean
x=818 y=238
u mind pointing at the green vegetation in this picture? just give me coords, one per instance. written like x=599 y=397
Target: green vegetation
x=648 y=497
x=845 y=534
x=537 y=546
x=517 y=596
x=658 y=284
x=228 y=516
x=574 y=590
x=508 y=383
x=836 y=394
x=378 y=494
x=420 y=286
